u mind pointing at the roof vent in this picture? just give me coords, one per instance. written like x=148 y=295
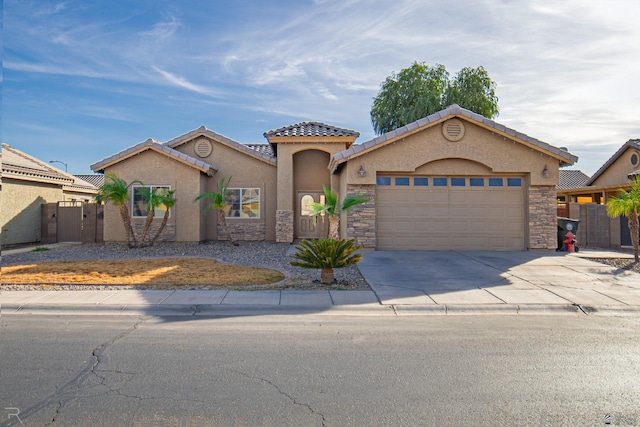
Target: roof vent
x=453 y=130
x=203 y=147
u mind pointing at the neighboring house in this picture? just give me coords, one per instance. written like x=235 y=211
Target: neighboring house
x=611 y=178
x=569 y=178
x=587 y=201
x=452 y=180
x=26 y=184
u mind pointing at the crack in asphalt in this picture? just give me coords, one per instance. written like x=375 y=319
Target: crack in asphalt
x=69 y=391
x=288 y=396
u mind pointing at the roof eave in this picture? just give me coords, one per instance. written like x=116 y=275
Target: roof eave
x=204 y=131
x=455 y=111
x=635 y=143
x=153 y=146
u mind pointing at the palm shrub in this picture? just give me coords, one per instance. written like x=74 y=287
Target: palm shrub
x=218 y=201
x=332 y=209
x=627 y=203
x=116 y=191
x=326 y=254
x=163 y=197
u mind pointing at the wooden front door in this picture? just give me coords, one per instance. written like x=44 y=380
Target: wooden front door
x=309 y=226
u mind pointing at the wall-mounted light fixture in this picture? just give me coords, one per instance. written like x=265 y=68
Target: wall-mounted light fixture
x=545 y=172
x=361 y=171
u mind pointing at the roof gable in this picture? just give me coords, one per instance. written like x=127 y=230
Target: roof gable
x=450 y=112
x=150 y=144
x=632 y=143
x=254 y=150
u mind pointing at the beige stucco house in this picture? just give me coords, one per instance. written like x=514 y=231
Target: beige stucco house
x=612 y=177
x=27 y=183
x=452 y=180
x=587 y=201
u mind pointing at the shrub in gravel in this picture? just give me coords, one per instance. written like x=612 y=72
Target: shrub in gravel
x=326 y=254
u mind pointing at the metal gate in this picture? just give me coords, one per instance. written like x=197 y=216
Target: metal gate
x=69 y=222
x=72 y=222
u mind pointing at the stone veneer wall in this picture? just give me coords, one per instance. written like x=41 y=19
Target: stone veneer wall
x=243 y=231
x=167 y=235
x=284 y=226
x=543 y=224
x=361 y=219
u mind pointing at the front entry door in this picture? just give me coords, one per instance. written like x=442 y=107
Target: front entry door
x=309 y=226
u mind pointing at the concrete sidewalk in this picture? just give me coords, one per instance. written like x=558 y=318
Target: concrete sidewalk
x=403 y=283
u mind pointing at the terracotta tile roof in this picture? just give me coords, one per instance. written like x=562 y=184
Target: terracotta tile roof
x=202 y=130
x=451 y=111
x=262 y=149
x=571 y=178
x=632 y=143
x=150 y=144
x=311 y=129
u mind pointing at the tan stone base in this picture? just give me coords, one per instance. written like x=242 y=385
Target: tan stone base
x=284 y=226
x=543 y=224
x=361 y=219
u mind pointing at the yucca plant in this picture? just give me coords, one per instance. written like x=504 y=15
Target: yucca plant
x=326 y=254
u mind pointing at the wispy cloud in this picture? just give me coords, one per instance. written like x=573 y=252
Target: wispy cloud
x=566 y=71
x=184 y=84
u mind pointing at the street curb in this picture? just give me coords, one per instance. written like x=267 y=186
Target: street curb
x=555 y=309
x=611 y=310
x=216 y=310
x=481 y=309
x=194 y=310
x=419 y=310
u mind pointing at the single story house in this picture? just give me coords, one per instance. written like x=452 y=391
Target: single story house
x=452 y=180
x=586 y=201
x=27 y=183
x=612 y=177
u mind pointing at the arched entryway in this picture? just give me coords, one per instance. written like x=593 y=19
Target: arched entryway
x=310 y=174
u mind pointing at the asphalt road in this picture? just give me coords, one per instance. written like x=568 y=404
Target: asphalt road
x=319 y=371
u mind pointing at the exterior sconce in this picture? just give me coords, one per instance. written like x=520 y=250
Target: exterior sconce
x=545 y=172
x=361 y=171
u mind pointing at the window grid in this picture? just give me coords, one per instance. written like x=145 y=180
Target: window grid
x=243 y=203
x=404 y=181
x=140 y=201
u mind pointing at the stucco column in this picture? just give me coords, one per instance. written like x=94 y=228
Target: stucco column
x=284 y=206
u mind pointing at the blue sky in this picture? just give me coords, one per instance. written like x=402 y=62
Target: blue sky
x=83 y=79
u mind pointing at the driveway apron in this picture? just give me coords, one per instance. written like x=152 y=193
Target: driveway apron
x=485 y=277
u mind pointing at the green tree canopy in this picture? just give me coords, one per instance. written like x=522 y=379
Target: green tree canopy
x=420 y=90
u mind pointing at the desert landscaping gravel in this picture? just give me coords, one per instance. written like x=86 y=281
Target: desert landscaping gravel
x=256 y=254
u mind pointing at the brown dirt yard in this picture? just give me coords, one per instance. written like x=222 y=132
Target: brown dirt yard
x=157 y=273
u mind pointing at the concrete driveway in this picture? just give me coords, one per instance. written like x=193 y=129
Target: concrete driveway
x=491 y=279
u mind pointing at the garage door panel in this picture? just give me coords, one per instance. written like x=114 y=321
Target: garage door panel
x=451 y=217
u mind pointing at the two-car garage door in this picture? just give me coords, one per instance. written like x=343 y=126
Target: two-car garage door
x=458 y=213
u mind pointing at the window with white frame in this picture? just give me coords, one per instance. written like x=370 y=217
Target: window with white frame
x=243 y=203
x=141 y=197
